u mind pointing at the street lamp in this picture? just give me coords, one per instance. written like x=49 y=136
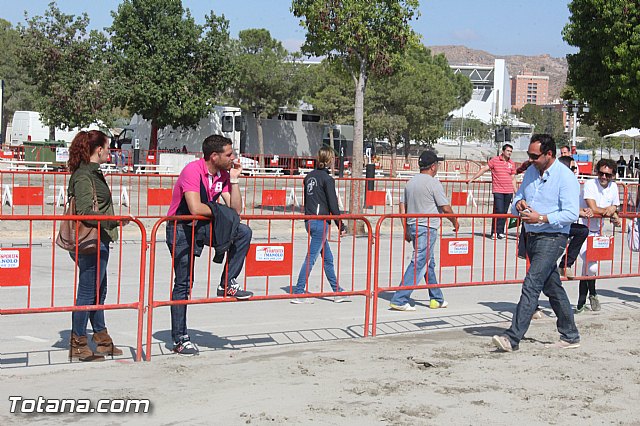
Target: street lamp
x=461 y=131
x=574 y=106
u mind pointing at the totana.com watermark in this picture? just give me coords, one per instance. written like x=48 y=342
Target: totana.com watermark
x=22 y=405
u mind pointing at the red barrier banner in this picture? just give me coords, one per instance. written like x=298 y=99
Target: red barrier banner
x=159 y=196
x=376 y=198
x=459 y=198
x=28 y=195
x=15 y=267
x=274 y=197
x=456 y=251
x=599 y=248
x=265 y=260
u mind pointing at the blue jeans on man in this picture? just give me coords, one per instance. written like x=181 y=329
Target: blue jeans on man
x=543 y=250
x=319 y=232
x=183 y=257
x=424 y=241
x=501 y=204
x=88 y=265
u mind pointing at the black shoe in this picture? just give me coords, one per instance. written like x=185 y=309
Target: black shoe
x=234 y=290
x=184 y=347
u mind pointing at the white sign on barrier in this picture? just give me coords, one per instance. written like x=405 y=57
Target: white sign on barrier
x=62 y=154
x=9 y=259
x=270 y=254
x=601 y=242
x=458 y=247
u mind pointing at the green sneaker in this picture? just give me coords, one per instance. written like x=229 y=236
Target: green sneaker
x=579 y=310
x=595 y=303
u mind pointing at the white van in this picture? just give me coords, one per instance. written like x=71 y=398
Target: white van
x=26 y=127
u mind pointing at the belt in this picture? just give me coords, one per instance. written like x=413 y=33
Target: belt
x=546 y=234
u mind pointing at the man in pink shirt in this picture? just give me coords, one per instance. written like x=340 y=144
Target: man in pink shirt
x=503 y=178
x=200 y=184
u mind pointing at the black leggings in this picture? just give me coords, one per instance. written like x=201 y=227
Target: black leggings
x=586 y=286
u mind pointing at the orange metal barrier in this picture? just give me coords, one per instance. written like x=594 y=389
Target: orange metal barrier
x=28 y=286
x=285 y=236
x=469 y=258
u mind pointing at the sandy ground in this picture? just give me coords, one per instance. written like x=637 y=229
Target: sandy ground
x=425 y=377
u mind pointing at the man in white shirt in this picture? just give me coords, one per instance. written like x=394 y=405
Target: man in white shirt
x=601 y=196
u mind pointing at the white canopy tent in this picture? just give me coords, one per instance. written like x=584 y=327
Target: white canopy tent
x=633 y=132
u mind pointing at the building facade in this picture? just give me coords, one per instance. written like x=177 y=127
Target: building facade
x=527 y=88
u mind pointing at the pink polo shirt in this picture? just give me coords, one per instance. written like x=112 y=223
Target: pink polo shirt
x=501 y=174
x=194 y=177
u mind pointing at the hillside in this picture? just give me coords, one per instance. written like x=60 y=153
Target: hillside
x=555 y=68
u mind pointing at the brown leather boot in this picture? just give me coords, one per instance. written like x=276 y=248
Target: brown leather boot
x=104 y=344
x=79 y=349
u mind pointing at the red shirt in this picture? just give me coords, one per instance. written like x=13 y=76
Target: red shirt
x=502 y=172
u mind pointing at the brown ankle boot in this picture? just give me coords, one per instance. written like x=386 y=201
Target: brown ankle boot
x=104 y=344
x=79 y=349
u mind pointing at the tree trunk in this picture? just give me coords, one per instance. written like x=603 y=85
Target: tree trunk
x=393 y=142
x=357 y=186
x=153 y=140
x=358 y=124
x=52 y=133
x=260 y=140
x=406 y=147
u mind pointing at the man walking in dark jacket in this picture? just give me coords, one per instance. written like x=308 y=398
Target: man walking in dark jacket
x=200 y=184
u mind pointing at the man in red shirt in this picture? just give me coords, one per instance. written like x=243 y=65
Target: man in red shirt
x=503 y=178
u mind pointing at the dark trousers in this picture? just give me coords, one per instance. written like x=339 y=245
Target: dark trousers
x=183 y=262
x=501 y=203
x=578 y=234
x=586 y=287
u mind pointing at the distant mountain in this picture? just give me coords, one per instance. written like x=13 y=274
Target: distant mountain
x=555 y=68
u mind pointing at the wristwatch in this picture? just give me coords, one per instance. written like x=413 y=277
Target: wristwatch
x=541 y=219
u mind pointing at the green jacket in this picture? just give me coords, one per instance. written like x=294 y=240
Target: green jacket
x=81 y=186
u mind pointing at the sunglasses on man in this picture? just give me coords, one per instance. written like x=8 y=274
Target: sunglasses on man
x=605 y=175
x=534 y=156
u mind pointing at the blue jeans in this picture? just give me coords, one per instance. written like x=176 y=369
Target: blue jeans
x=183 y=266
x=543 y=251
x=87 y=286
x=319 y=231
x=500 y=205
x=418 y=265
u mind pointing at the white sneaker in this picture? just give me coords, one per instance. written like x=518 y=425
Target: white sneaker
x=405 y=307
x=341 y=299
x=302 y=301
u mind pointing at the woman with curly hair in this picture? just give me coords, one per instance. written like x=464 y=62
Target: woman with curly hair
x=88 y=150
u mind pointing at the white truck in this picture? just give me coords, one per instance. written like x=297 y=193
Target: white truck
x=26 y=127
x=224 y=120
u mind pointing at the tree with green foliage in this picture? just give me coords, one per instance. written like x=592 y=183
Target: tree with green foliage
x=413 y=103
x=329 y=91
x=65 y=65
x=367 y=37
x=18 y=93
x=167 y=68
x=266 y=78
x=604 y=71
x=545 y=120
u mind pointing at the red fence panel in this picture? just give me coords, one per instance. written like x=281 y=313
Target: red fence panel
x=28 y=285
x=280 y=245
